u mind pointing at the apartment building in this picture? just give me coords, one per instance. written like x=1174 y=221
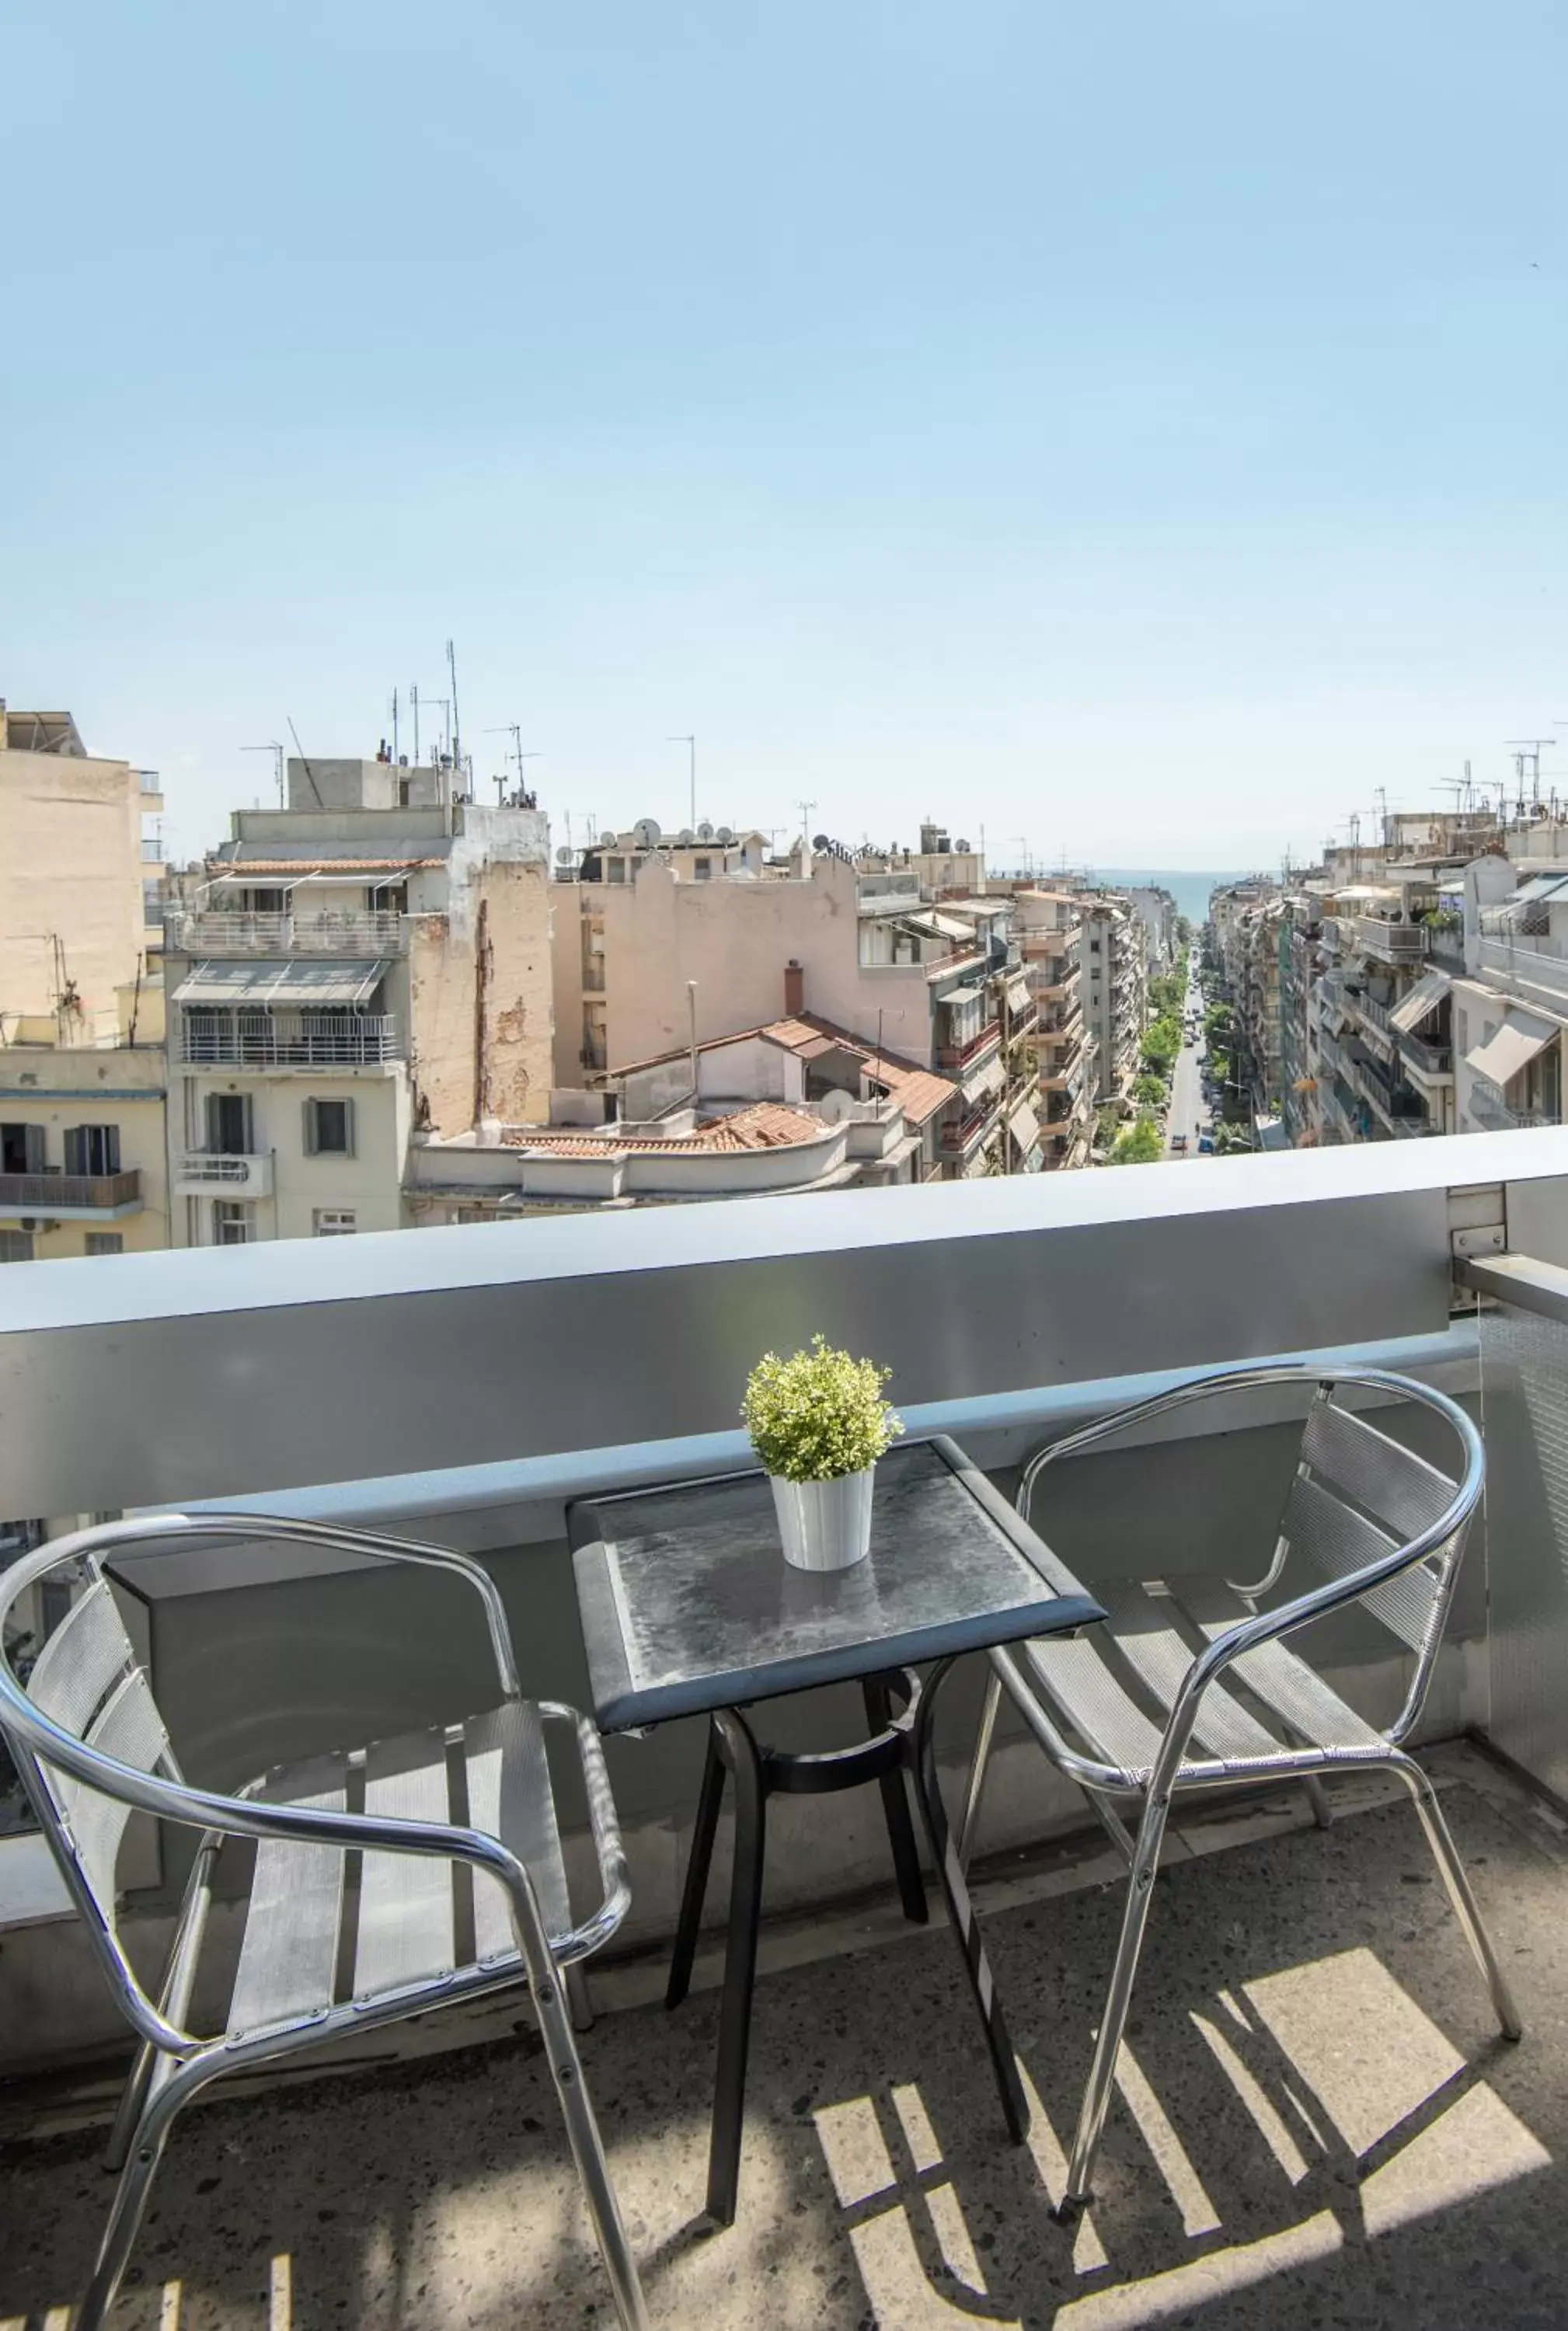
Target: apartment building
x=681 y=960
x=1389 y=950
x=798 y=1106
x=1156 y=911
x=1116 y=996
x=73 y=858
x=1510 y=1004
x=371 y=961
x=82 y=1141
x=1049 y=925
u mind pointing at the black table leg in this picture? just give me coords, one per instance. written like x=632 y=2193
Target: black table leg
x=922 y=1754
x=695 y=1890
x=896 y=1809
x=739 y=1964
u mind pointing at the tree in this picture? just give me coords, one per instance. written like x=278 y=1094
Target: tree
x=1140 y=1145
x=1151 y=1090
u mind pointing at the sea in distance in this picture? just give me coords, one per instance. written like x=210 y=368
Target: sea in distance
x=1190 y=890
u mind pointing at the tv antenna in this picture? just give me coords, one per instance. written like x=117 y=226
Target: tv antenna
x=806 y=808
x=1528 y=748
x=276 y=750
x=309 y=772
x=456 y=725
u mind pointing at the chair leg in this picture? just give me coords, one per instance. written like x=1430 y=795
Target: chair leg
x=588 y=2149
x=1317 y=1798
x=969 y=1820
x=579 y=1997
x=144 y=2153
x=1467 y=1910
x=705 y=1829
x=1096 y=2097
x=132 y=2098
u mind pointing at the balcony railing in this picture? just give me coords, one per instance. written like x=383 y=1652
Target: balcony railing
x=211 y=932
x=1491 y=1108
x=1534 y=962
x=1427 y=1059
x=257 y=1041
x=72 y=1194
x=1389 y=942
x=226 y=1174
x=960 y=1135
x=960 y=1058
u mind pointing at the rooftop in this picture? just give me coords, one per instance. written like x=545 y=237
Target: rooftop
x=766 y=1125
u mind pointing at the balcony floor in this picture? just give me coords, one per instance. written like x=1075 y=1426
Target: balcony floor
x=1318 y=2126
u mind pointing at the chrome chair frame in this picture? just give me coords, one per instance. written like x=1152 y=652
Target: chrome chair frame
x=1439 y=1546
x=173 y=2064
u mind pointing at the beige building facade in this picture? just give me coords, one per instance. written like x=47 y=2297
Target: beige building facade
x=73 y=861
x=345 y=976
x=82 y=1169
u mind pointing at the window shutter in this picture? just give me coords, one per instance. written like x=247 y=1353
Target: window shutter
x=33 y=1137
x=76 y=1149
x=349 y=1129
x=309 y=1113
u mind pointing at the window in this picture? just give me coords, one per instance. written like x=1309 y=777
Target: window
x=329 y=1128
x=335 y=1222
x=615 y=869
x=21 y=1149
x=92 y=1149
x=16 y=1246
x=234 y=1222
x=705 y=870
x=229 y=1128
x=105 y=1242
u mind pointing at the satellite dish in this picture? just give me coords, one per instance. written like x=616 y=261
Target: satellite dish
x=607 y=840
x=705 y=831
x=962 y=847
x=819 y=841
x=724 y=835
x=566 y=854
x=836 y=1106
x=645 y=833
x=686 y=837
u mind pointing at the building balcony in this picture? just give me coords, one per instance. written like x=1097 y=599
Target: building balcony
x=1526 y=962
x=1315 y=2105
x=1494 y=1112
x=71 y=1197
x=366 y=1040
x=962 y=1136
x=1432 y=1063
x=958 y=1060
x=1397 y=942
x=217 y=934
x=221 y=1174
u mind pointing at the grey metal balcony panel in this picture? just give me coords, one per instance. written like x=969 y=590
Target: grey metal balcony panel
x=215 y=1373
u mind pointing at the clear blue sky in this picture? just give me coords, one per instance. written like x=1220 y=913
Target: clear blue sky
x=1140 y=428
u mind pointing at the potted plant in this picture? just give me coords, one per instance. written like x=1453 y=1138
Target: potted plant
x=819 y=1423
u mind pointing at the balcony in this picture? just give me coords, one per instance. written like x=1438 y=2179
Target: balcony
x=221 y=1174
x=255 y=1040
x=1433 y=1063
x=71 y=1197
x=1315 y=2120
x=961 y=1137
x=1531 y=962
x=215 y=934
x=1398 y=943
x=1491 y=1109
x=958 y=1060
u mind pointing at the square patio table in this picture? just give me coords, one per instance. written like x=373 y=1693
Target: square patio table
x=688 y=1608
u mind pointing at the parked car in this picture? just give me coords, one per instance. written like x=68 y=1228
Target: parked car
x=1178 y=1144
x=1205 y=1145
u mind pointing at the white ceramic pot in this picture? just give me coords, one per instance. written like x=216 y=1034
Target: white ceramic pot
x=825 y=1524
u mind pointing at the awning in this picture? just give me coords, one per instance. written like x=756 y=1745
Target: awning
x=970 y=992
x=1516 y=1043
x=252 y=985
x=1024 y=1126
x=1425 y=996
x=988 y=1077
x=243 y=878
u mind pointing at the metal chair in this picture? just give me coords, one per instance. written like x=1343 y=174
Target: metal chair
x=1135 y=1711
x=480 y=1859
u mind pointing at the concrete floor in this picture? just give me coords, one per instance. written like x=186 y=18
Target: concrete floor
x=1318 y=2127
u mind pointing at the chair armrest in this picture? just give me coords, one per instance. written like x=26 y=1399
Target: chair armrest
x=106 y=1538
x=608 y=1849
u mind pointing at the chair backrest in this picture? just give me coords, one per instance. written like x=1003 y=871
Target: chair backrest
x=1358 y=1495
x=87 y=1680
